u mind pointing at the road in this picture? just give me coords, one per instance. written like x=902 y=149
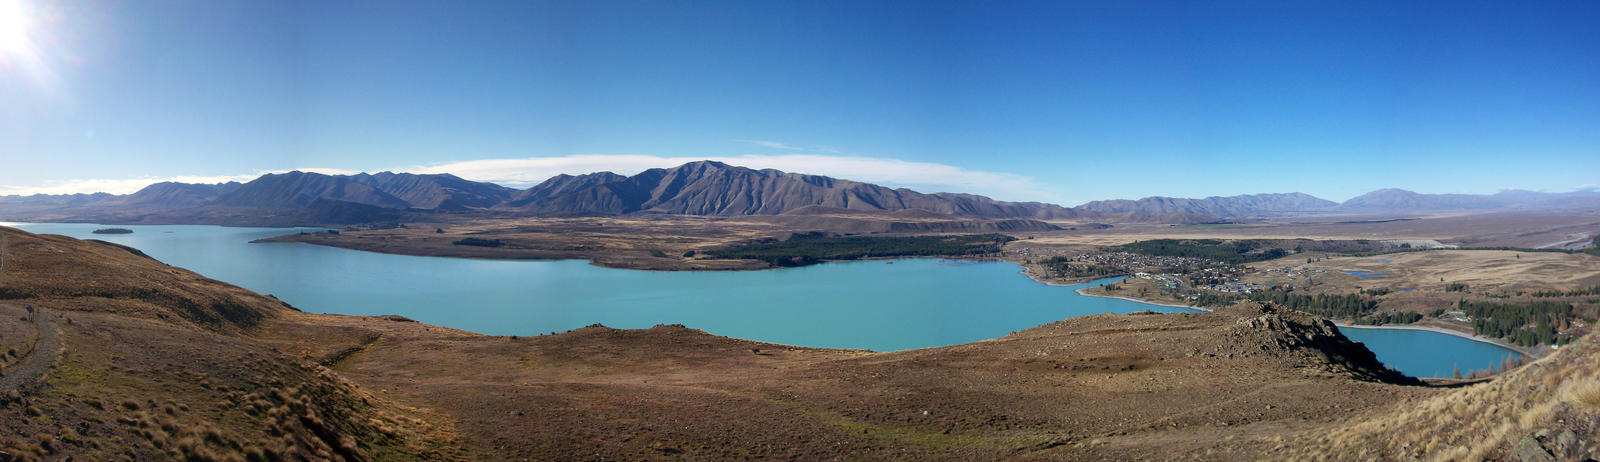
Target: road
x=44 y=353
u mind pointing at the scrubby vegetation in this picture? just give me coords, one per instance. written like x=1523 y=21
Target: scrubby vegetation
x=1252 y=250
x=812 y=248
x=479 y=242
x=1591 y=290
x=1234 y=252
x=1060 y=266
x=1359 y=309
x=1395 y=317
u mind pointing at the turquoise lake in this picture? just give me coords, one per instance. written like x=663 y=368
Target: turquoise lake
x=912 y=303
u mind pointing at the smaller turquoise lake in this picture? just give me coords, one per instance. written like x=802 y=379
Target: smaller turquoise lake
x=912 y=303
x=1425 y=354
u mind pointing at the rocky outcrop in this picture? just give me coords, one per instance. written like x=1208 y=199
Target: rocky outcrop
x=1272 y=329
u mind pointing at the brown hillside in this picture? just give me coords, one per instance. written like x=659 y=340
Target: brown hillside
x=133 y=359
x=127 y=376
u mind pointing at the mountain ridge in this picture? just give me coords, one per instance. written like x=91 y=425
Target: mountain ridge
x=705 y=188
x=1215 y=206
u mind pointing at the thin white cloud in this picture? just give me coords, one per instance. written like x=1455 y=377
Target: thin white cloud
x=923 y=176
x=525 y=172
x=132 y=185
x=1586 y=187
x=789 y=147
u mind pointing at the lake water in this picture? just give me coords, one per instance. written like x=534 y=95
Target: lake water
x=913 y=303
x=1421 y=353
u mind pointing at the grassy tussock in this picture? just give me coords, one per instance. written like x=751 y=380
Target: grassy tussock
x=1477 y=422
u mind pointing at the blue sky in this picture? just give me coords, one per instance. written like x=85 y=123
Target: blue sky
x=1057 y=101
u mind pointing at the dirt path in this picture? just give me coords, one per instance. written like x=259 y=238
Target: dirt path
x=44 y=353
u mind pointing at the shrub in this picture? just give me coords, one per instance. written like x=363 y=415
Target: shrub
x=1591 y=396
x=810 y=248
x=477 y=242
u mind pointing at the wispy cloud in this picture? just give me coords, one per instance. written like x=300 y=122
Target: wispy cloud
x=790 y=147
x=923 y=176
x=131 y=185
x=1588 y=187
x=524 y=172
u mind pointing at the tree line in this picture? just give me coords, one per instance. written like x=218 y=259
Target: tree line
x=1234 y=252
x=1531 y=324
x=1355 y=307
x=1063 y=266
x=811 y=248
x=1347 y=306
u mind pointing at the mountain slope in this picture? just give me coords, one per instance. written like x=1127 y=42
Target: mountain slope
x=172 y=194
x=298 y=189
x=1221 y=207
x=703 y=188
x=436 y=191
x=717 y=189
x=1402 y=200
x=559 y=185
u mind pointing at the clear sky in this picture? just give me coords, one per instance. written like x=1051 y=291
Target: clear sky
x=1056 y=101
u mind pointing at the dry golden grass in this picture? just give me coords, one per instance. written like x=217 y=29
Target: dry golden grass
x=1467 y=229
x=1476 y=422
x=162 y=364
x=1482 y=270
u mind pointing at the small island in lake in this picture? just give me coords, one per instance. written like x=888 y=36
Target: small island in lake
x=113 y=231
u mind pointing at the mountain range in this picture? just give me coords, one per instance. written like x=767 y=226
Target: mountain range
x=703 y=188
x=1220 y=207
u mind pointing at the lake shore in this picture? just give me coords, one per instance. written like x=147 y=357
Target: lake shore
x=1081 y=291
x=1196 y=308
x=1530 y=352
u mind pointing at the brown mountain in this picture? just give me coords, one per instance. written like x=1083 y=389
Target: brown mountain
x=298 y=189
x=697 y=188
x=1402 y=200
x=436 y=191
x=703 y=188
x=718 y=189
x=173 y=194
x=560 y=185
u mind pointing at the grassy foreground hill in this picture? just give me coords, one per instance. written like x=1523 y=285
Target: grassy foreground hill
x=145 y=361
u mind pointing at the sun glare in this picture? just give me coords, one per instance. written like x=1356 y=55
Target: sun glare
x=13 y=27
